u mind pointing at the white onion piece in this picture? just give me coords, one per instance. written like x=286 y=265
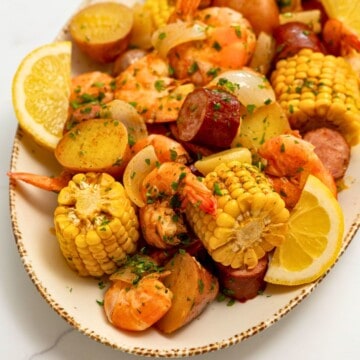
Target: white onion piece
x=251 y=88
x=171 y=35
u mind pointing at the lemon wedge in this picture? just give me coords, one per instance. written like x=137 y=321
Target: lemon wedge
x=41 y=90
x=314 y=238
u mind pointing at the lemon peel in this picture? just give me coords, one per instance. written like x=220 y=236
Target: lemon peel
x=314 y=238
x=41 y=90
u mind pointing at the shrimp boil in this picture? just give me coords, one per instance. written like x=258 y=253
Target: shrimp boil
x=55 y=183
x=166 y=149
x=290 y=160
x=172 y=178
x=229 y=43
x=148 y=86
x=162 y=226
x=137 y=307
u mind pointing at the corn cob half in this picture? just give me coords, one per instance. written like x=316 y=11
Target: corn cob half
x=251 y=218
x=160 y=11
x=95 y=224
x=318 y=90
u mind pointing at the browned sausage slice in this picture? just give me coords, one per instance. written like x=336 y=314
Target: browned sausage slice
x=331 y=148
x=293 y=36
x=209 y=117
x=242 y=284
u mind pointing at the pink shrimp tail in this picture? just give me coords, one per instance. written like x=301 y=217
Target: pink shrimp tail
x=43 y=182
x=197 y=194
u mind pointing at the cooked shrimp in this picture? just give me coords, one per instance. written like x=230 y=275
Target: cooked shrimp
x=339 y=39
x=138 y=306
x=94 y=86
x=229 y=44
x=174 y=181
x=291 y=157
x=48 y=183
x=88 y=92
x=161 y=225
x=147 y=85
x=166 y=149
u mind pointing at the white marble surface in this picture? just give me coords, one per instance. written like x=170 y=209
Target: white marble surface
x=325 y=325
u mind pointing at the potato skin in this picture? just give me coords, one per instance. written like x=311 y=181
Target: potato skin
x=98 y=145
x=193 y=287
x=102 y=30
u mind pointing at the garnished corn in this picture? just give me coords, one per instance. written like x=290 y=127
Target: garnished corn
x=251 y=218
x=95 y=224
x=160 y=11
x=319 y=90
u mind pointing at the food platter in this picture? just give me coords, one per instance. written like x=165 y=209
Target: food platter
x=75 y=298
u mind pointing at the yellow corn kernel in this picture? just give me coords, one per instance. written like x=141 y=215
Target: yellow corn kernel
x=245 y=217
x=322 y=80
x=95 y=224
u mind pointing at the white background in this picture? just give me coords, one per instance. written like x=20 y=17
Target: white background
x=323 y=326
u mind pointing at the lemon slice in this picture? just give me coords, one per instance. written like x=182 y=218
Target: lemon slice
x=346 y=11
x=41 y=90
x=314 y=238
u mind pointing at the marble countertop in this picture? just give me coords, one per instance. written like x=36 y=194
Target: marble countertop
x=325 y=325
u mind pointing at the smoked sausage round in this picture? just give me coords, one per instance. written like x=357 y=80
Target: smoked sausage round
x=293 y=36
x=209 y=117
x=243 y=284
x=331 y=148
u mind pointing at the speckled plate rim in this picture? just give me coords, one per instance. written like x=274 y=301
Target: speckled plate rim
x=351 y=230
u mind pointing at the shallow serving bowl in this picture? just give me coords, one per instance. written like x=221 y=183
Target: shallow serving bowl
x=75 y=298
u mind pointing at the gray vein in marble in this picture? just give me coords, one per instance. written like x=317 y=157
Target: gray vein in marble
x=51 y=347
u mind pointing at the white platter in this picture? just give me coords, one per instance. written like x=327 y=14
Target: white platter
x=75 y=298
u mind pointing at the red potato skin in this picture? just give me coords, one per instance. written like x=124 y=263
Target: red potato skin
x=293 y=36
x=209 y=117
x=263 y=15
x=242 y=284
x=332 y=150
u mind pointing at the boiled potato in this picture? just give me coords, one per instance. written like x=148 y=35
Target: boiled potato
x=99 y=145
x=209 y=163
x=193 y=288
x=102 y=30
x=122 y=111
x=262 y=124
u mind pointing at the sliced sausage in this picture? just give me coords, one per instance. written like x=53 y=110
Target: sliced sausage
x=293 y=36
x=242 y=284
x=209 y=117
x=331 y=148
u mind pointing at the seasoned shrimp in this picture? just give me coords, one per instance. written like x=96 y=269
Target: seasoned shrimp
x=147 y=85
x=48 y=183
x=88 y=92
x=229 y=43
x=166 y=149
x=291 y=157
x=174 y=181
x=161 y=225
x=137 y=306
x=339 y=39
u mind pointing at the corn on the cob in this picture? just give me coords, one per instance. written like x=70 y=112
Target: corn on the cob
x=95 y=224
x=160 y=11
x=251 y=218
x=318 y=90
